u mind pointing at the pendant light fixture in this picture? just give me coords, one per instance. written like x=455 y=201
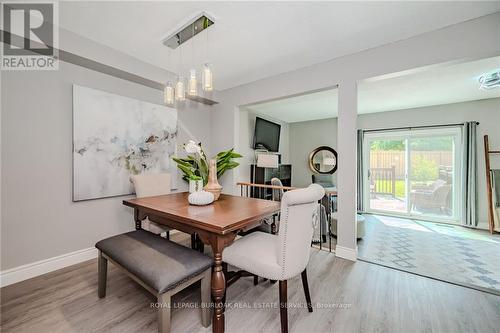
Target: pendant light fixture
x=207 y=75
x=193 y=83
x=207 y=78
x=177 y=91
x=180 y=92
x=168 y=91
x=168 y=94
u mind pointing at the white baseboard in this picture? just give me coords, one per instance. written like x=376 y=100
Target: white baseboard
x=346 y=253
x=483 y=225
x=28 y=271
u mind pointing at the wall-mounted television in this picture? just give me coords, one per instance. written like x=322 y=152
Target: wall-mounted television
x=266 y=135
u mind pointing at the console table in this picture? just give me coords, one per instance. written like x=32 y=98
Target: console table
x=264 y=175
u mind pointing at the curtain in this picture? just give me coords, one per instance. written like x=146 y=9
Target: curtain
x=360 y=177
x=469 y=175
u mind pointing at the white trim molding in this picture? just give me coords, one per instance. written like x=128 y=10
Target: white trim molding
x=28 y=271
x=346 y=253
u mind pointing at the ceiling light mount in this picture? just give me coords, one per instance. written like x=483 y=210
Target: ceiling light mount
x=188 y=30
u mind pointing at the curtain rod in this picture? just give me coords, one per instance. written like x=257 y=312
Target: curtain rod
x=413 y=127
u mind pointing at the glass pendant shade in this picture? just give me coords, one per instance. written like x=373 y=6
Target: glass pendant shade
x=180 y=91
x=207 y=83
x=193 y=83
x=168 y=94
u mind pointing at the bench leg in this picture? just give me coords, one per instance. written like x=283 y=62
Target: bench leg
x=164 y=313
x=102 y=273
x=206 y=281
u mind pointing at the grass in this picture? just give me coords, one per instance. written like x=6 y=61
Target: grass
x=385 y=185
x=400 y=187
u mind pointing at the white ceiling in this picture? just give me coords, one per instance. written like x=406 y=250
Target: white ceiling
x=435 y=86
x=254 y=40
x=318 y=105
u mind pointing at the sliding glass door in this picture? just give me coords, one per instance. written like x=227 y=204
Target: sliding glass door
x=414 y=173
x=387 y=173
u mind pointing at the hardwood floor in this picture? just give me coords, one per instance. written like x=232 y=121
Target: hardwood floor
x=369 y=298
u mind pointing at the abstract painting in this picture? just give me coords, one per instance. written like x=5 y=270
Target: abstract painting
x=115 y=137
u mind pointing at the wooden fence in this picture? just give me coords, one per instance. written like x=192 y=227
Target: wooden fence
x=395 y=158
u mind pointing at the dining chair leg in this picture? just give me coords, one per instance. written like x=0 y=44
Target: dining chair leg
x=206 y=316
x=164 y=313
x=102 y=274
x=306 y=291
x=193 y=241
x=283 y=306
x=200 y=246
x=196 y=243
x=255 y=280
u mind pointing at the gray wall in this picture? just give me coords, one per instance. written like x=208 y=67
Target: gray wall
x=486 y=111
x=305 y=137
x=245 y=141
x=39 y=220
x=473 y=39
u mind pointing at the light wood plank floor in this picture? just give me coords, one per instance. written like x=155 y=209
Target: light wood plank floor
x=375 y=299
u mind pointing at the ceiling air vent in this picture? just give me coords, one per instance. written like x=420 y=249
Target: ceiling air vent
x=194 y=26
x=490 y=80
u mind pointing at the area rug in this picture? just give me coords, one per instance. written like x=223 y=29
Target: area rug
x=445 y=252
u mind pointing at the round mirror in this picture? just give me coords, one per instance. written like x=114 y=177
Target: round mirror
x=323 y=160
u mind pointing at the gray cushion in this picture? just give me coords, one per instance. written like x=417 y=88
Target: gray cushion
x=159 y=263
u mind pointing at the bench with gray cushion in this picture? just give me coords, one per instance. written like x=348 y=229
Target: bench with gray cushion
x=159 y=265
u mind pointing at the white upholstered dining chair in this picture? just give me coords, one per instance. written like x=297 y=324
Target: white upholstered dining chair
x=285 y=255
x=149 y=185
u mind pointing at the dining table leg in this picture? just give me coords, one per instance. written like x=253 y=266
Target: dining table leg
x=218 y=288
x=218 y=243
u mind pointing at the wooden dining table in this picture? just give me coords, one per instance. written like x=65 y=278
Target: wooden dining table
x=216 y=224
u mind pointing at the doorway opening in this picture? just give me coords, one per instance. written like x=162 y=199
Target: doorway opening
x=422 y=176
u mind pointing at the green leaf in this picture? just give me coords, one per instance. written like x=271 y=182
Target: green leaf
x=197 y=166
x=186 y=170
x=222 y=166
x=182 y=162
x=232 y=165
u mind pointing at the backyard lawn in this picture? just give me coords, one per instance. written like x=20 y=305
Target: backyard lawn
x=385 y=186
x=400 y=187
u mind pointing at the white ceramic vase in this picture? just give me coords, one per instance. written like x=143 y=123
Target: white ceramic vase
x=195 y=185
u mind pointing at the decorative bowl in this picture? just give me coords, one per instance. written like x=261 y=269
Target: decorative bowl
x=201 y=198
